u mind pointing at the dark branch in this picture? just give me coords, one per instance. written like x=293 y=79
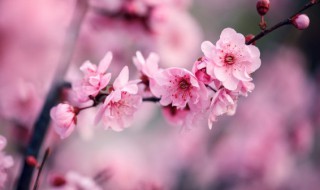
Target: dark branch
x=151 y=99
x=43 y=120
x=282 y=23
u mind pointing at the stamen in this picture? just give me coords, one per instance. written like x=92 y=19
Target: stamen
x=229 y=59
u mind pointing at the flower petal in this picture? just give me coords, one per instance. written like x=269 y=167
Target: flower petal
x=208 y=49
x=122 y=79
x=105 y=63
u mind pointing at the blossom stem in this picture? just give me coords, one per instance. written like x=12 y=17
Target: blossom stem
x=45 y=158
x=282 y=23
x=42 y=123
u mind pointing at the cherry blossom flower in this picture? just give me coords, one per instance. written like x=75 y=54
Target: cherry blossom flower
x=223 y=102
x=148 y=68
x=95 y=78
x=199 y=69
x=120 y=105
x=178 y=87
x=231 y=60
x=6 y=162
x=64 y=118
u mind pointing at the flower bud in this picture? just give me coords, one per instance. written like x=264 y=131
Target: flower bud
x=32 y=161
x=263 y=7
x=250 y=37
x=58 y=181
x=301 y=21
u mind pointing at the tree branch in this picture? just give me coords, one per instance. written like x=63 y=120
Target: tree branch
x=42 y=123
x=282 y=23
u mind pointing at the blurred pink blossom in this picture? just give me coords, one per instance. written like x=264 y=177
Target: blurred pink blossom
x=76 y=181
x=6 y=162
x=64 y=118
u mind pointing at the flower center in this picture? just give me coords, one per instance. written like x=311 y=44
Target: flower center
x=229 y=59
x=183 y=84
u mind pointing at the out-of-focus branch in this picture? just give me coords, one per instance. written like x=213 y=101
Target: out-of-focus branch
x=41 y=126
x=282 y=23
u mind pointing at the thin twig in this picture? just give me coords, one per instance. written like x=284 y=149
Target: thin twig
x=282 y=23
x=45 y=158
x=151 y=99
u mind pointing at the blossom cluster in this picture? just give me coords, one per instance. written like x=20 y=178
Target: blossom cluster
x=5 y=162
x=187 y=98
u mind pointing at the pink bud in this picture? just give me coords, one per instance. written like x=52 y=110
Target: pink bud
x=301 y=21
x=263 y=7
x=64 y=118
x=32 y=161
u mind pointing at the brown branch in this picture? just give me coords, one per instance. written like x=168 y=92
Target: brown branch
x=282 y=23
x=42 y=123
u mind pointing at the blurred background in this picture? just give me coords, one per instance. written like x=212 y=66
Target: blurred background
x=271 y=143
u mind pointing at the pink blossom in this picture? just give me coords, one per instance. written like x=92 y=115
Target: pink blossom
x=75 y=181
x=199 y=69
x=148 y=68
x=6 y=162
x=120 y=105
x=245 y=87
x=223 y=102
x=301 y=21
x=95 y=78
x=64 y=117
x=178 y=87
x=231 y=60
x=3 y=142
x=175 y=46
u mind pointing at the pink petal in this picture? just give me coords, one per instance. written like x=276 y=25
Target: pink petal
x=208 y=49
x=231 y=83
x=241 y=75
x=227 y=34
x=90 y=90
x=105 y=79
x=105 y=63
x=122 y=79
x=3 y=142
x=221 y=73
x=100 y=113
x=65 y=132
x=94 y=80
x=140 y=57
x=88 y=68
x=152 y=65
x=138 y=61
x=132 y=88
